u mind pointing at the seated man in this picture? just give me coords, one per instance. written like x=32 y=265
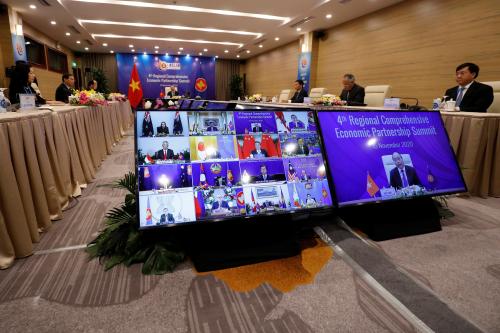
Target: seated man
x=403 y=175
x=352 y=93
x=211 y=126
x=173 y=92
x=302 y=149
x=300 y=93
x=264 y=176
x=295 y=123
x=164 y=153
x=470 y=95
x=166 y=217
x=258 y=152
x=65 y=89
x=219 y=205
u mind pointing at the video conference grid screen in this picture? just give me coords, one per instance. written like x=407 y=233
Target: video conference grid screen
x=210 y=165
x=380 y=155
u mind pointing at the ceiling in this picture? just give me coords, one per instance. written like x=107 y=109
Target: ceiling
x=226 y=29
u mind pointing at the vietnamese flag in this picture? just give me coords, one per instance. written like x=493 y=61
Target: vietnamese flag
x=134 y=88
x=371 y=187
x=248 y=145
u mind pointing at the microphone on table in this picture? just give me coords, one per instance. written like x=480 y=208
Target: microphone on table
x=405 y=106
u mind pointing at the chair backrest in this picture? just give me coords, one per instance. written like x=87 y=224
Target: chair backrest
x=495 y=107
x=284 y=96
x=375 y=95
x=316 y=93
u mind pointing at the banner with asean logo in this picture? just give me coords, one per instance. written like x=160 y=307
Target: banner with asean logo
x=193 y=75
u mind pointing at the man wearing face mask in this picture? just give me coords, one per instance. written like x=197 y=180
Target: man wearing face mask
x=470 y=95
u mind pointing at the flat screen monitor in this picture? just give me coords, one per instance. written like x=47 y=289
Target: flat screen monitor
x=160 y=103
x=199 y=165
x=197 y=104
x=211 y=105
x=378 y=155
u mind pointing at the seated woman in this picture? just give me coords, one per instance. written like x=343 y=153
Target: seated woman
x=20 y=83
x=162 y=130
x=92 y=85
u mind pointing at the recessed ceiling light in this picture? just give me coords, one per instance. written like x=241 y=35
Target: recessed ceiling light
x=248 y=51
x=86 y=48
x=78 y=42
x=181 y=48
x=111 y=51
x=276 y=38
x=144 y=53
x=68 y=34
x=104 y=44
x=143 y=4
x=237 y=56
x=167 y=39
x=32 y=6
x=205 y=50
x=261 y=46
x=226 y=51
x=328 y=16
x=156 y=51
x=53 y=22
x=28 y=43
x=133 y=50
x=299 y=29
x=157 y=47
x=130 y=45
x=216 y=56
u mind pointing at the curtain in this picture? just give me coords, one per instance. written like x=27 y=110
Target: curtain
x=106 y=62
x=224 y=69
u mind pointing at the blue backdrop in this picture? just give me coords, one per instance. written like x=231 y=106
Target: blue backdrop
x=195 y=75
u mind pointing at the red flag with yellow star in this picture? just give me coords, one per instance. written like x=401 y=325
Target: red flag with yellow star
x=134 y=88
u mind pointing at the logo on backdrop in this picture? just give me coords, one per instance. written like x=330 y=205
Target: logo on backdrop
x=201 y=84
x=304 y=63
x=165 y=66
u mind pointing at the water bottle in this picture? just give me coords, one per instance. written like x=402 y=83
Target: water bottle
x=4 y=102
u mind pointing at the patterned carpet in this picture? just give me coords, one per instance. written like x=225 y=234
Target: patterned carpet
x=59 y=290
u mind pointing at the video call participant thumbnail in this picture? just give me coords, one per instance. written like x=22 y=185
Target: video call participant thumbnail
x=403 y=175
x=165 y=153
x=258 y=152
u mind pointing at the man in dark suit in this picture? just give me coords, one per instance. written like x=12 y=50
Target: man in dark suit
x=166 y=217
x=65 y=89
x=173 y=92
x=257 y=128
x=263 y=175
x=211 y=127
x=352 y=93
x=219 y=203
x=258 y=152
x=470 y=95
x=165 y=153
x=302 y=149
x=403 y=175
x=300 y=93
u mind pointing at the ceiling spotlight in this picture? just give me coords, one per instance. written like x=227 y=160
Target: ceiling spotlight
x=68 y=34
x=237 y=56
x=181 y=48
x=299 y=29
x=32 y=6
x=216 y=56
x=226 y=51
x=130 y=45
x=78 y=42
x=86 y=48
x=111 y=51
x=276 y=38
x=133 y=50
x=248 y=51
x=328 y=16
x=53 y=22
x=157 y=47
x=205 y=50
x=104 y=44
x=261 y=46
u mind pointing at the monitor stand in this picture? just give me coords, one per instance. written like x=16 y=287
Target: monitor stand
x=393 y=219
x=215 y=246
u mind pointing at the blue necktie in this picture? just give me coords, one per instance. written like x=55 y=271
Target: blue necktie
x=459 y=96
x=403 y=177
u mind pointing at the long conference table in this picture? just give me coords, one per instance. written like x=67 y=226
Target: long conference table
x=47 y=157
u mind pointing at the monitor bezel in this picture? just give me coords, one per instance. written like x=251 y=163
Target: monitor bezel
x=355 y=204
x=260 y=218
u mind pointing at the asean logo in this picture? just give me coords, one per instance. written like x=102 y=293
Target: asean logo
x=19 y=49
x=304 y=62
x=200 y=84
x=216 y=168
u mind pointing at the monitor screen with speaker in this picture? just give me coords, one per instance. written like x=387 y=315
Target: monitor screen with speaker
x=376 y=156
x=198 y=165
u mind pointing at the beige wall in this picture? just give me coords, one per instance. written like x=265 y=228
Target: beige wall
x=6 y=52
x=414 y=46
x=272 y=71
x=47 y=80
